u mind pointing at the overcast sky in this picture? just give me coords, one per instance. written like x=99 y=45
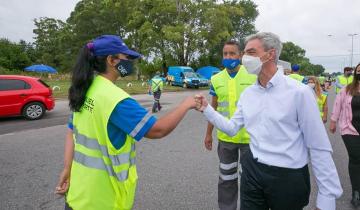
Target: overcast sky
x=307 y=23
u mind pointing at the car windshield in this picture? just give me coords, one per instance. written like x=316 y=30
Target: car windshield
x=190 y=74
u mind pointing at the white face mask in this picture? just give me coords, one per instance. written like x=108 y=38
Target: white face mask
x=252 y=64
x=312 y=85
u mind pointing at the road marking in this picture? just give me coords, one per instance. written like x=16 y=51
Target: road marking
x=7 y=134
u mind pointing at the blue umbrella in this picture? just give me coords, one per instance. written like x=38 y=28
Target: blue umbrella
x=41 y=69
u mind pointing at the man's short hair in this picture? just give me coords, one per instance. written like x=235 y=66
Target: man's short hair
x=269 y=41
x=237 y=44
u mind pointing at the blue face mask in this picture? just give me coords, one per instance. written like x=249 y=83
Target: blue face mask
x=230 y=63
x=125 y=67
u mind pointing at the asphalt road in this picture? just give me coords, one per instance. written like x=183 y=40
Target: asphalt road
x=175 y=172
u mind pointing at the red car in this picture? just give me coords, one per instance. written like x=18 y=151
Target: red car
x=26 y=96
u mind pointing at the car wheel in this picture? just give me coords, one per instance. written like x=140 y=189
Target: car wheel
x=33 y=111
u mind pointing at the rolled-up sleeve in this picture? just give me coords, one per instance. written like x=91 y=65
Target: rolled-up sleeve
x=230 y=127
x=317 y=141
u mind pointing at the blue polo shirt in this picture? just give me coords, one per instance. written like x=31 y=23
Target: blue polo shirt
x=128 y=116
x=212 y=90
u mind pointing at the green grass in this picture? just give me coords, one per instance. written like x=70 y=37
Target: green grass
x=136 y=87
x=63 y=82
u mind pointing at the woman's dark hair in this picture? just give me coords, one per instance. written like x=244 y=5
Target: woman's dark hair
x=83 y=75
x=352 y=88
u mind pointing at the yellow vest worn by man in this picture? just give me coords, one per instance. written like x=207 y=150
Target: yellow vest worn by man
x=156 y=84
x=297 y=77
x=344 y=81
x=228 y=91
x=102 y=177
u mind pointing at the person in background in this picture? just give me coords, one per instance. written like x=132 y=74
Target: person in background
x=99 y=162
x=295 y=73
x=321 y=97
x=287 y=72
x=278 y=112
x=156 y=87
x=346 y=113
x=343 y=80
x=321 y=80
x=226 y=87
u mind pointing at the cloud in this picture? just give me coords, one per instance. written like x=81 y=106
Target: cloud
x=16 y=16
x=307 y=23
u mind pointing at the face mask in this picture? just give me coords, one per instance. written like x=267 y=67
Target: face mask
x=230 y=63
x=357 y=76
x=124 y=67
x=252 y=64
x=312 y=85
x=348 y=74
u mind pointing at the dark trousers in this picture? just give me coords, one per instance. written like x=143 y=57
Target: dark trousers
x=67 y=207
x=228 y=178
x=156 y=105
x=352 y=144
x=266 y=187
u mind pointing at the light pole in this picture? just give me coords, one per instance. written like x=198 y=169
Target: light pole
x=352 y=48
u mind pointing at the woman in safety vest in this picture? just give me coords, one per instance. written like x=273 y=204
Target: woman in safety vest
x=321 y=97
x=100 y=170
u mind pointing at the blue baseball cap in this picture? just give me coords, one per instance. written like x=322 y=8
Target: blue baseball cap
x=110 y=45
x=295 y=67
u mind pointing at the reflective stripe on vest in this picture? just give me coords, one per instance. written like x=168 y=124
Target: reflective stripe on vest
x=116 y=160
x=98 y=163
x=156 y=84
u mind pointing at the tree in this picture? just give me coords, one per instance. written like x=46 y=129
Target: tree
x=48 y=33
x=13 y=55
x=296 y=55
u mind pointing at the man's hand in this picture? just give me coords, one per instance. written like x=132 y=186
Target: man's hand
x=332 y=126
x=190 y=102
x=324 y=120
x=201 y=102
x=208 y=142
x=64 y=182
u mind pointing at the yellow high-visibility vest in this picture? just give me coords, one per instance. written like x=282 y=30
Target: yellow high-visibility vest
x=228 y=91
x=344 y=81
x=102 y=177
x=321 y=103
x=298 y=77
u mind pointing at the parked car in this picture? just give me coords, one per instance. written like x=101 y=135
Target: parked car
x=26 y=96
x=182 y=76
x=203 y=81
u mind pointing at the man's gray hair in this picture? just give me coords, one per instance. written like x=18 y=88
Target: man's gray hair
x=269 y=41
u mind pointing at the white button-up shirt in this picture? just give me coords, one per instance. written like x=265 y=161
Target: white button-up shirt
x=284 y=123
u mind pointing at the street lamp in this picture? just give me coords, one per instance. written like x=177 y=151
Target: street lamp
x=352 y=48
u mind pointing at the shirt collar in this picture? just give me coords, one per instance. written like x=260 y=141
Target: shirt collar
x=275 y=80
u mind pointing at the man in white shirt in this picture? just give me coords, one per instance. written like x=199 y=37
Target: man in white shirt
x=281 y=116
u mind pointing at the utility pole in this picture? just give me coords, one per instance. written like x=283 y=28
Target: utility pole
x=352 y=49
